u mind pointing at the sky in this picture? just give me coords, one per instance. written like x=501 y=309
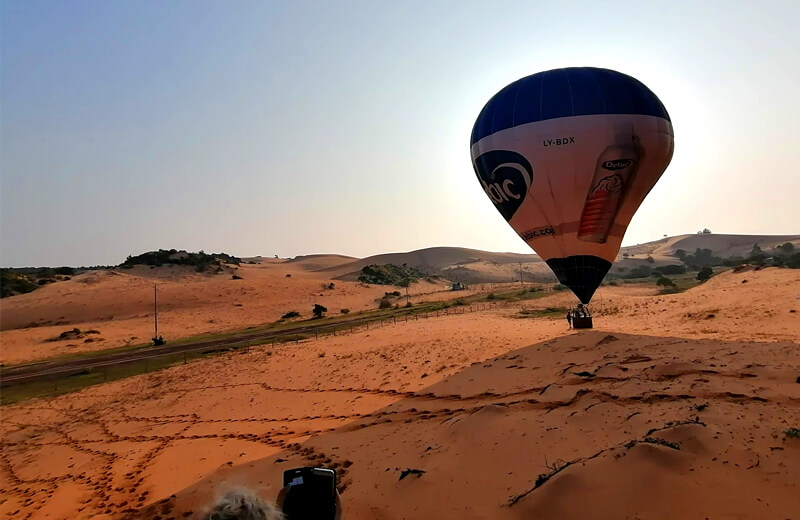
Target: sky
x=288 y=128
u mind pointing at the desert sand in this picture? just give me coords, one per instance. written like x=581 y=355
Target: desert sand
x=118 y=304
x=675 y=406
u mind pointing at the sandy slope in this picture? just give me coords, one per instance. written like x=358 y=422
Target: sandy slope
x=649 y=416
x=119 y=305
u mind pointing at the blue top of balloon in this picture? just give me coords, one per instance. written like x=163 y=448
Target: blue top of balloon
x=574 y=91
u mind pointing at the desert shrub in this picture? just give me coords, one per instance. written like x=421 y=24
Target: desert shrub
x=665 y=282
x=288 y=276
x=395 y=294
x=702 y=258
x=649 y=259
x=13 y=283
x=407 y=305
x=705 y=273
x=793 y=261
x=290 y=314
x=319 y=310
x=390 y=274
x=640 y=271
x=671 y=269
x=787 y=248
x=345 y=311
x=236 y=277
x=491 y=296
x=68 y=271
x=560 y=287
x=613 y=283
x=384 y=304
x=201 y=260
x=459 y=302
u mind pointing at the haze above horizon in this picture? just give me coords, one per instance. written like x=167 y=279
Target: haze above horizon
x=259 y=128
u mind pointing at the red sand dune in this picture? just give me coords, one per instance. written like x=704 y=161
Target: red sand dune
x=662 y=412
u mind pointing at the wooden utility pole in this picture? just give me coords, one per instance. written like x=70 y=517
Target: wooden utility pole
x=155 y=309
x=520 y=273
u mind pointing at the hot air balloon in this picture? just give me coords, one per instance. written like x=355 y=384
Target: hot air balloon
x=567 y=156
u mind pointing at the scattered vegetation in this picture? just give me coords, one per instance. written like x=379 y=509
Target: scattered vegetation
x=793 y=433
x=15 y=283
x=385 y=304
x=548 y=312
x=390 y=274
x=73 y=334
x=201 y=261
x=236 y=277
x=345 y=311
x=291 y=314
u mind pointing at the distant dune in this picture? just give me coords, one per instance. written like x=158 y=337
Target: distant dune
x=476 y=266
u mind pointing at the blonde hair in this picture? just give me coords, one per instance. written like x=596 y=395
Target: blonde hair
x=239 y=504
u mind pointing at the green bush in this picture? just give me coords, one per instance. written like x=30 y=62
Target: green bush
x=671 y=269
x=705 y=273
x=491 y=296
x=665 y=282
x=640 y=271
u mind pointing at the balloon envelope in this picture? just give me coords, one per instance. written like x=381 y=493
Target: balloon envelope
x=567 y=156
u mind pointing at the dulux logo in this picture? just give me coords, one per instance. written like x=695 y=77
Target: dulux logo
x=619 y=164
x=506 y=177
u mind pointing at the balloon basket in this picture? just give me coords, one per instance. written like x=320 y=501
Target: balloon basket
x=581 y=322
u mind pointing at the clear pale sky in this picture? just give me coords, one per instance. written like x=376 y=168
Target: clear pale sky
x=265 y=127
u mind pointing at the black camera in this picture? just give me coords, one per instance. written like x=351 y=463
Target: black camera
x=311 y=494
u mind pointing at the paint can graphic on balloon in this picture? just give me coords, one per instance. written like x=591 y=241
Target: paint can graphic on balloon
x=615 y=168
